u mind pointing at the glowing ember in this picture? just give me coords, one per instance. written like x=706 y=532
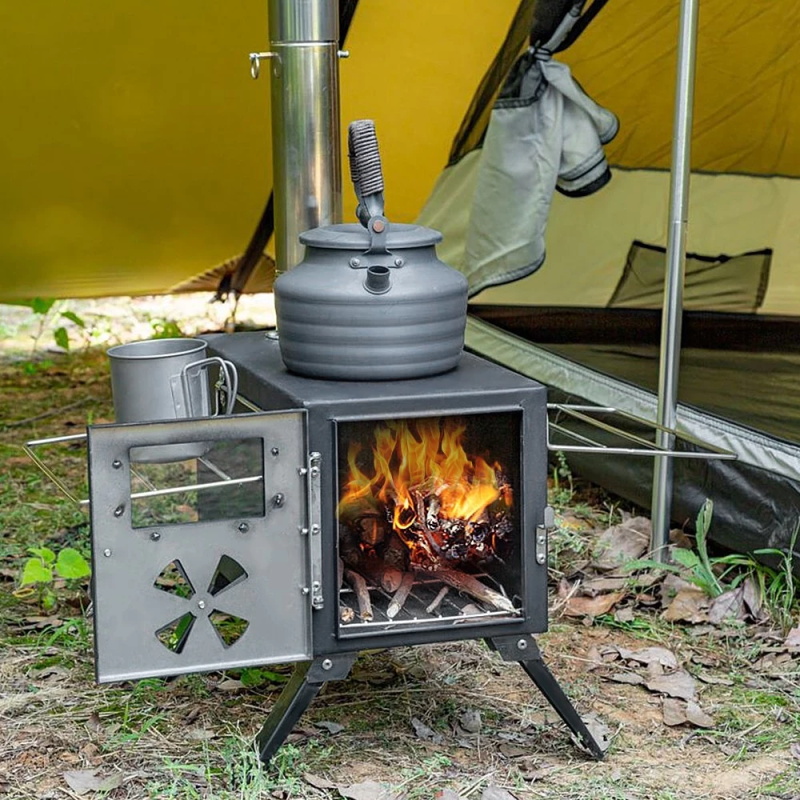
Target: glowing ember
x=444 y=504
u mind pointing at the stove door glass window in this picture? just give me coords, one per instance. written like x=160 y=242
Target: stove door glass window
x=428 y=515
x=222 y=481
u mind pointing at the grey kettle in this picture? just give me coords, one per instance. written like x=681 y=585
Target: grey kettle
x=370 y=301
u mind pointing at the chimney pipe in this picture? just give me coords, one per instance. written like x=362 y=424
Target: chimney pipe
x=306 y=150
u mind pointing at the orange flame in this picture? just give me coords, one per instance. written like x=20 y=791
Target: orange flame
x=412 y=459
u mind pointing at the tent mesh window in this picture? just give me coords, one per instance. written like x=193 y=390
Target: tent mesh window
x=712 y=283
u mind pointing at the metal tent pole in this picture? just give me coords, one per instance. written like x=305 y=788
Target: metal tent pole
x=669 y=364
x=303 y=61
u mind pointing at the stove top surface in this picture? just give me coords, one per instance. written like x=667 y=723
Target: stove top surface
x=260 y=368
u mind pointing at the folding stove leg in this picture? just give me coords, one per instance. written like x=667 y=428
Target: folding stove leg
x=305 y=684
x=524 y=650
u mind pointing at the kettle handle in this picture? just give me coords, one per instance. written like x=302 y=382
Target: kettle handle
x=365 y=169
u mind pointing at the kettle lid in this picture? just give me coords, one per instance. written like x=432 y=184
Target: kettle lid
x=399 y=236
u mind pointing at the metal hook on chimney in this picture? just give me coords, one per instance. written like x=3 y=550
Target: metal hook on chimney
x=255 y=62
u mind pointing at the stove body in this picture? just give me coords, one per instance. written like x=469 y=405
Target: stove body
x=504 y=415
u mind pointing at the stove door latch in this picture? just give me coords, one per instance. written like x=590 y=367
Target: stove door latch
x=314 y=530
x=542 y=530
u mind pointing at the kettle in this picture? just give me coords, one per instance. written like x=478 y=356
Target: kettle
x=370 y=301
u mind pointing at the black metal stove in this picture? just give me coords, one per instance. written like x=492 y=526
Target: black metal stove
x=328 y=517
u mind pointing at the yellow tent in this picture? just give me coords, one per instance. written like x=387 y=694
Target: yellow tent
x=136 y=146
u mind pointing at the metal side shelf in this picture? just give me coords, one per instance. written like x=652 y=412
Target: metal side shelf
x=587 y=414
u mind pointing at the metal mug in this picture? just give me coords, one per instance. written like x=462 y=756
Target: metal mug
x=164 y=379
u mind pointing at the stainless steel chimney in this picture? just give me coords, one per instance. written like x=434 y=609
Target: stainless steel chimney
x=306 y=151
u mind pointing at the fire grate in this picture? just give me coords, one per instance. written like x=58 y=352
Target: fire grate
x=427 y=600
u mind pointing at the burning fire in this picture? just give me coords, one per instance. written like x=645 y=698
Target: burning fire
x=423 y=482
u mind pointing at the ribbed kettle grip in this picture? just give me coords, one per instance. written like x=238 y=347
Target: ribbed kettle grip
x=365 y=158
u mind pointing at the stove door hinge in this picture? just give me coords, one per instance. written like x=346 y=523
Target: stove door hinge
x=313 y=531
x=542 y=531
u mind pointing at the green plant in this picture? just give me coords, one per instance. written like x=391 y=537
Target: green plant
x=166 y=329
x=717 y=574
x=563 y=489
x=256 y=677
x=776 y=586
x=46 y=313
x=695 y=567
x=40 y=570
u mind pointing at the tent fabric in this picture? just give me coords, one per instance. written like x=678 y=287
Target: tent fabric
x=141 y=158
x=588 y=239
x=713 y=283
x=756 y=498
x=752 y=446
x=136 y=147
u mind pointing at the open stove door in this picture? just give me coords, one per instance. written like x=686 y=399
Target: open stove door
x=207 y=563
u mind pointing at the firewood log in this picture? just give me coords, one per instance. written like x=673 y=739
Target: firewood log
x=362 y=594
x=437 y=601
x=400 y=596
x=474 y=588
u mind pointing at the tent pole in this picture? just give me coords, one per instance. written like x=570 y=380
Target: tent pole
x=306 y=150
x=672 y=311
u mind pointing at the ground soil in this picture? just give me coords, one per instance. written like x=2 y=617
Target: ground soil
x=397 y=718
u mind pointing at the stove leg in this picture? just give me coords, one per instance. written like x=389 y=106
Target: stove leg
x=525 y=651
x=304 y=685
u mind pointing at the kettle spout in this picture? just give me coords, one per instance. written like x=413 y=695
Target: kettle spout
x=378 y=280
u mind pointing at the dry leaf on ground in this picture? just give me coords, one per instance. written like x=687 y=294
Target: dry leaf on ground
x=792 y=640
x=424 y=732
x=492 y=792
x=200 y=734
x=600 y=732
x=331 y=727
x=470 y=720
x=729 y=605
x=592 y=606
x=688 y=605
x=633 y=678
x=649 y=655
x=676 y=684
x=621 y=543
x=83 y=781
x=317 y=781
x=753 y=600
x=595 y=586
x=230 y=685
x=676 y=712
x=680 y=538
x=368 y=790
x=446 y=794
x=714 y=679
x=671 y=584
x=625 y=614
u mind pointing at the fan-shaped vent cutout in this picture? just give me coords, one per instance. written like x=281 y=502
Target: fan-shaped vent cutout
x=174 y=634
x=174 y=580
x=228 y=627
x=228 y=573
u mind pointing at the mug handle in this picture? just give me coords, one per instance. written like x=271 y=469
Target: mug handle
x=227 y=384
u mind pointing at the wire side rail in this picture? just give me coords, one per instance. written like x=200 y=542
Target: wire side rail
x=226 y=480
x=583 y=413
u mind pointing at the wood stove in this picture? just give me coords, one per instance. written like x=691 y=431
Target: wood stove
x=326 y=518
